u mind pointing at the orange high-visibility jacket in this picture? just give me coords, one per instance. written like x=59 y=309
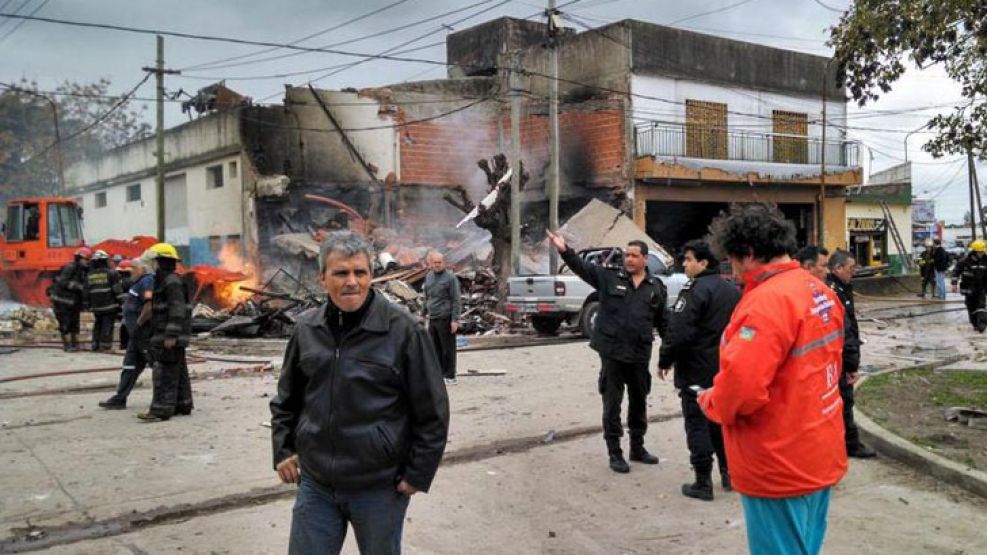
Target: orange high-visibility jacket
x=777 y=392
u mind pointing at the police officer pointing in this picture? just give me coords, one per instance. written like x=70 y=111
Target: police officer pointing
x=632 y=303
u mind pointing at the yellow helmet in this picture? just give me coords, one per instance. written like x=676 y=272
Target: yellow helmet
x=978 y=246
x=164 y=250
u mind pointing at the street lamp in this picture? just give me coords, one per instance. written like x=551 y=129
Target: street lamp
x=909 y=134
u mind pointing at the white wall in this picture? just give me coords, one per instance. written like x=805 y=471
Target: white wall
x=902 y=216
x=739 y=101
x=210 y=211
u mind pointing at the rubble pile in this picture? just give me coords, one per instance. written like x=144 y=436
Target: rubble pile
x=26 y=319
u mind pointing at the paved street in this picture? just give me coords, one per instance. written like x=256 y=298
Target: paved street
x=525 y=470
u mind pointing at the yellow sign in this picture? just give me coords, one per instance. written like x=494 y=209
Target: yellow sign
x=865 y=224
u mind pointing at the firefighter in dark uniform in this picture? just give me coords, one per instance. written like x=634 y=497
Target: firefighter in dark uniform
x=841 y=268
x=66 y=294
x=171 y=326
x=692 y=345
x=971 y=273
x=102 y=292
x=632 y=304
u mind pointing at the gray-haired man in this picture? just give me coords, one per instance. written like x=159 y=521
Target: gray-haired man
x=441 y=311
x=361 y=415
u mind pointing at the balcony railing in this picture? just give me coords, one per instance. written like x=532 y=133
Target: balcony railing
x=695 y=141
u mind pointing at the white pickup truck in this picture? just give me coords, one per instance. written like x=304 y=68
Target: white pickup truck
x=565 y=298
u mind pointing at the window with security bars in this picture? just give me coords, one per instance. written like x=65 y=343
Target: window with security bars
x=705 y=130
x=790 y=142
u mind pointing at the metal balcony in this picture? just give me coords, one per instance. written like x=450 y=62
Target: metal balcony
x=694 y=141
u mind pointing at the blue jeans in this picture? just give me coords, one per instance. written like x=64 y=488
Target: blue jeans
x=788 y=525
x=941 y=284
x=320 y=516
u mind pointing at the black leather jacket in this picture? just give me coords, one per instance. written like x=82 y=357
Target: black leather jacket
x=366 y=412
x=695 y=325
x=628 y=315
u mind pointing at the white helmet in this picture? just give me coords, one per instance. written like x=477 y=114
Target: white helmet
x=100 y=255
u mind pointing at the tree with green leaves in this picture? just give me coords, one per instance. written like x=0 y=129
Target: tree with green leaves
x=28 y=149
x=875 y=40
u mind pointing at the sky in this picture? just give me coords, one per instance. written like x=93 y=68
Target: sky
x=50 y=53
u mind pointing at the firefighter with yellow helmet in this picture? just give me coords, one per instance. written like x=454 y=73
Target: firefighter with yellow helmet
x=971 y=273
x=171 y=326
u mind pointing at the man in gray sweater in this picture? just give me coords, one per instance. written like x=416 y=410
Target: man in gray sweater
x=441 y=312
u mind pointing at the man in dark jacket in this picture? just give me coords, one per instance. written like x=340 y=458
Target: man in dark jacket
x=361 y=415
x=971 y=276
x=66 y=294
x=841 y=268
x=632 y=304
x=940 y=261
x=102 y=291
x=441 y=311
x=692 y=345
x=926 y=266
x=171 y=327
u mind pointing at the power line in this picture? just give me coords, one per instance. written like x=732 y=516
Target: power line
x=711 y=12
x=358 y=39
x=20 y=23
x=16 y=10
x=211 y=65
x=215 y=38
x=830 y=8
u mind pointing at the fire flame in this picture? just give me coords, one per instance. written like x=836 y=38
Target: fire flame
x=230 y=293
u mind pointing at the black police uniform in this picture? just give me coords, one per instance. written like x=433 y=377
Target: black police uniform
x=851 y=360
x=692 y=344
x=623 y=335
x=971 y=271
x=102 y=291
x=66 y=294
x=171 y=318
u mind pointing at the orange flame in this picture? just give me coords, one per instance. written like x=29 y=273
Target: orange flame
x=229 y=293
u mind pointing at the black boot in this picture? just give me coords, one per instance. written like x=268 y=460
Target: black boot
x=113 y=403
x=725 y=479
x=639 y=453
x=702 y=488
x=66 y=343
x=860 y=451
x=617 y=462
x=73 y=343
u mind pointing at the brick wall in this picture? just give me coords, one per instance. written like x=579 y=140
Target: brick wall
x=445 y=151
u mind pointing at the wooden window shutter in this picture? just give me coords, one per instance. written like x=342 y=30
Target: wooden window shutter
x=706 y=129
x=791 y=144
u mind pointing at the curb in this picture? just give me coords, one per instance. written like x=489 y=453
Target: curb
x=895 y=447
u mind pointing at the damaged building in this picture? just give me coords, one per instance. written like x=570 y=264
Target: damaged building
x=668 y=125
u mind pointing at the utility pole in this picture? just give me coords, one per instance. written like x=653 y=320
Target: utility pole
x=553 y=132
x=974 y=194
x=159 y=182
x=822 y=160
x=515 y=85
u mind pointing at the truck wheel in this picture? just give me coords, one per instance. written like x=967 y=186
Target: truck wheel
x=546 y=325
x=587 y=319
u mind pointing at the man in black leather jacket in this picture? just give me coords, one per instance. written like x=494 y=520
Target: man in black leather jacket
x=692 y=345
x=361 y=415
x=632 y=305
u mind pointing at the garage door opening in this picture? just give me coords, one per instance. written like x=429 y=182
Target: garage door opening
x=673 y=224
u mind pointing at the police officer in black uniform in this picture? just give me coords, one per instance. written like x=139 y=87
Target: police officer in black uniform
x=66 y=294
x=171 y=326
x=102 y=292
x=692 y=346
x=971 y=273
x=841 y=268
x=632 y=303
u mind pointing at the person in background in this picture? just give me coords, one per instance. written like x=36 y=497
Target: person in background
x=971 y=276
x=102 y=297
x=815 y=260
x=441 y=311
x=66 y=294
x=927 y=268
x=171 y=326
x=136 y=318
x=692 y=346
x=777 y=393
x=841 y=268
x=940 y=264
x=125 y=272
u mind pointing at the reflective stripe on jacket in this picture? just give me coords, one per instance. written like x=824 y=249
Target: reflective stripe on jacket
x=777 y=392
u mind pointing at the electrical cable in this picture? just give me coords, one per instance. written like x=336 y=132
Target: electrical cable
x=710 y=12
x=22 y=22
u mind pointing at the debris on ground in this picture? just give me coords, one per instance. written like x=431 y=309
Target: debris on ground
x=973 y=418
x=27 y=319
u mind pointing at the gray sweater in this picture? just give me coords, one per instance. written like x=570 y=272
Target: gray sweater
x=441 y=296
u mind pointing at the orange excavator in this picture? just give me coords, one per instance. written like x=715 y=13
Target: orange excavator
x=41 y=234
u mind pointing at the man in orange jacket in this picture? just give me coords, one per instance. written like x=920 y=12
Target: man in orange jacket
x=777 y=393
